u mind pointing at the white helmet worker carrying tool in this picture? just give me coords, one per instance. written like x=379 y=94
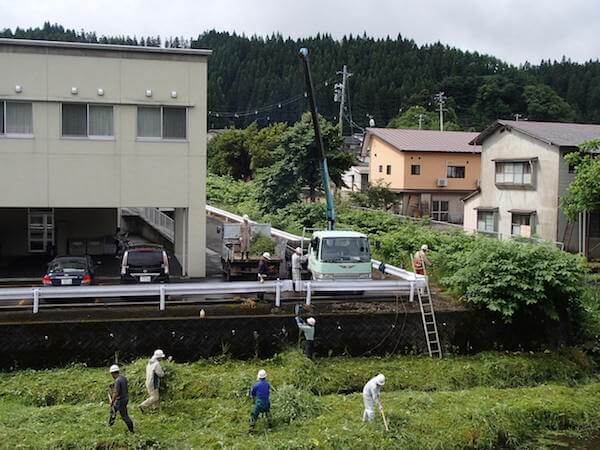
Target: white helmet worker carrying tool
x=158 y=354
x=298 y=251
x=114 y=368
x=371 y=396
x=311 y=321
x=266 y=255
x=262 y=374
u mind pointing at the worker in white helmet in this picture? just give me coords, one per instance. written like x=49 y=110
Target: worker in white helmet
x=308 y=328
x=260 y=393
x=263 y=266
x=119 y=398
x=371 y=396
x=297 y=260
x=154 y=372
x=421 y=261
x=245 y=236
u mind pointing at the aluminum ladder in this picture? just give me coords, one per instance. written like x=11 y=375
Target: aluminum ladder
x=429 y=323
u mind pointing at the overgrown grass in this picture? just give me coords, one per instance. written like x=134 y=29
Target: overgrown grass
x=485 y=401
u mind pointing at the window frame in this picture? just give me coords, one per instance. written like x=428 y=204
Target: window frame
x=418 y=169
x=380 y=168
x=494 y=214
x=438 y=213
x=87 y=135
x=531 y=185
x=450 y=172
x=4 y=133
x=162 y=130
x=388 y=169
x=531 y=220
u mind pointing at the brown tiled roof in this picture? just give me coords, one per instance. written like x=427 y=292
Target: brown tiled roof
x=426 y=140
x=555 y=133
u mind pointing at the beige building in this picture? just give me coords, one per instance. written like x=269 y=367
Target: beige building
x=87 y=129
x=523 y=176
x=431 y=170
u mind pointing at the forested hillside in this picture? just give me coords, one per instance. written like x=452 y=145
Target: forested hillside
x=259 y=78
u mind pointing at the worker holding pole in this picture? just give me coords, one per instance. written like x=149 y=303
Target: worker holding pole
x=260 y=393
x=154 y=372
x=372 y=397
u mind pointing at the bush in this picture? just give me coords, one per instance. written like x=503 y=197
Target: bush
x=261 y=243
x=291 y=404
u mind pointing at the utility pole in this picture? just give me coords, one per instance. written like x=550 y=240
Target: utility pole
x=440 y=98
x=340 y=95
x=420 y=117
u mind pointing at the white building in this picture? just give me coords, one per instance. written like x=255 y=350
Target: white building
x=86 y=129
x=523 y=176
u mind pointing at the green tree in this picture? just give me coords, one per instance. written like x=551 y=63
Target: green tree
x=377 y=196
x=430 y=120
x=228 y=154
x=263 y=144
x=583 y=194
x=546 y=105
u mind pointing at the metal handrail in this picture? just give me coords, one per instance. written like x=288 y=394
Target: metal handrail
x=276 y=287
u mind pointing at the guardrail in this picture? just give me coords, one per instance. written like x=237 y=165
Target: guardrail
x=163 y=291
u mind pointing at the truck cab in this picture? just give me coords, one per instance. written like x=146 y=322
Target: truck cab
x=334 y=255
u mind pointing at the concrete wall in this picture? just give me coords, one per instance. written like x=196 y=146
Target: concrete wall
x=543 y=198
x=48 y=170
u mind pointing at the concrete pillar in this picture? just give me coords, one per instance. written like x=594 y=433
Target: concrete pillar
x=190 y=240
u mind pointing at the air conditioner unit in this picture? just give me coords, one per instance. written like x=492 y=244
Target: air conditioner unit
x=442 y=182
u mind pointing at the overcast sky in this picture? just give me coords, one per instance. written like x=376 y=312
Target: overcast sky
x=513 y=30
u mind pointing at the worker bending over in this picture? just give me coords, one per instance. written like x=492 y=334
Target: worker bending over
x=263 y=267
x=371 y=397
x=297 y=260
x=260 y=393
x=421 y=261
x=119 y=398
x=154 y=373
x=308 y=328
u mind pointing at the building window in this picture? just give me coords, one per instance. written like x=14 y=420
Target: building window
x=16 y=118
x=388 y=170
x=522 y=224
x=380 y=169
x=486 y=221
x=514 y=173
x=439 y=210
x=456 y=171
x=84 y=120
x=162 y=122
x=415 y=169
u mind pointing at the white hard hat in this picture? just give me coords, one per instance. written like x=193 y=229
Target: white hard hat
x=158 y=354
x=114 y=368
x=298 y=250
x=311 y=321
x=262 y=374
x=380 y=379
x=267 y=255
x=245 y=217
x=424 y=247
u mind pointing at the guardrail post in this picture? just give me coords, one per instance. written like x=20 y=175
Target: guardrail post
x=36 y=301
x=278 y=293
x=308 y=293
x=411 y=296
x=162 y=297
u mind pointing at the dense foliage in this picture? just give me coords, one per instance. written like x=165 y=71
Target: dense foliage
x=259 y=79
x=583 y=194
x=488 y=401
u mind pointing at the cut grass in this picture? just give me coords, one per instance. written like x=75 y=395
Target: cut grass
x=487 y=401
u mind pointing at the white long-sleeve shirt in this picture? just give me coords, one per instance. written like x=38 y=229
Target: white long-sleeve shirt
x=372 y=391
x=153 y=367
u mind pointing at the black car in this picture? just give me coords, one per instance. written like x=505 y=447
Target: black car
x=69 y=271
x=145 y=264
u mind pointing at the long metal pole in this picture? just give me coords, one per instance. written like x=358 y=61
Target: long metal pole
x=343 y=99
x=319 y=138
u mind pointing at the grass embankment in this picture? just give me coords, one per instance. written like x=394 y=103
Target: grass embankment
x=482 y=402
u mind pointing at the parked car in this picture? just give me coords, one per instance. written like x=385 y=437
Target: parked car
x=145 y=263
x=69 y=271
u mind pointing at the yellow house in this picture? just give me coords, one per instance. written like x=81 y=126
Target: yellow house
x=431 y=170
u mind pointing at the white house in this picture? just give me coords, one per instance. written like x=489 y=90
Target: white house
x=87 y=129
x=523 y=176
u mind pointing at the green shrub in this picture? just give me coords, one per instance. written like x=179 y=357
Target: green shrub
x=261 y=243
x=290 y=404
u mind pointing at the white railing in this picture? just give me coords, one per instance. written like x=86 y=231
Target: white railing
x=160 y=221
x=163 y=291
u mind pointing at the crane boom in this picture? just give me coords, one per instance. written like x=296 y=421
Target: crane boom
x=319 y=140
